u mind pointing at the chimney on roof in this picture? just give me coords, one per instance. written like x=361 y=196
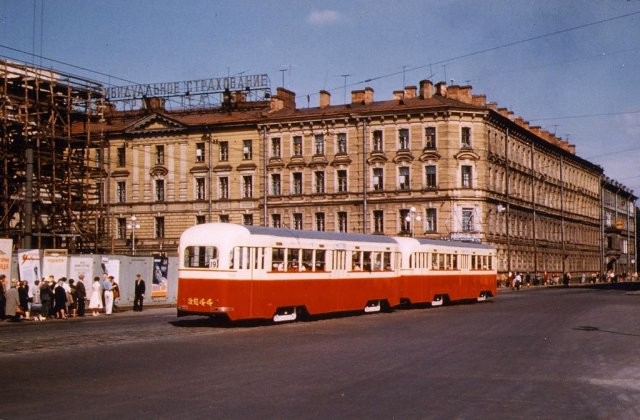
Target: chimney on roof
x=368 y=95
x=283 y=99
x=464 y=94
x=441 y=89
x=479 y=99
x=357 y=96
x=426 y=89
x=325 y=99
x=410 y=92
x=398 y=95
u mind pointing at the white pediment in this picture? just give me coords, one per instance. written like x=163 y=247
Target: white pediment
x=155 y=123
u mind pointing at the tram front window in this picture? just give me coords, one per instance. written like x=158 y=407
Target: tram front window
x=201 y=257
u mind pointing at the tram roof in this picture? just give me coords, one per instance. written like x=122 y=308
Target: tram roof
x=444 y=242
x=317 y=235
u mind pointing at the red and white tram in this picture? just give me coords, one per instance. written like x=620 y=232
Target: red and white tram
x=251 y=272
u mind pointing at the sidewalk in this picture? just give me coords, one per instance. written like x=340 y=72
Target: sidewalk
x=633 y=287
x=122 y=311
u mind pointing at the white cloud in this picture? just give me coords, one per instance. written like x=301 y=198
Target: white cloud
x=323 y=17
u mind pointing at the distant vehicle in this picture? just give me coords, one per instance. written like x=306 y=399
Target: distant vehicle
x=250 y=272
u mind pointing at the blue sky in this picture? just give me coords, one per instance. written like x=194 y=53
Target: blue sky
x=571 y=66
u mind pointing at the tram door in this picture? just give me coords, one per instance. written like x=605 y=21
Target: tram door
x=250 y=259
x=339 y=263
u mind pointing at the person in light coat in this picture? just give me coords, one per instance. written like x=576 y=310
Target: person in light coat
x=12 y=305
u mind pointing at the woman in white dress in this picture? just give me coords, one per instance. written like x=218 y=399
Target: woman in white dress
x=95 y=301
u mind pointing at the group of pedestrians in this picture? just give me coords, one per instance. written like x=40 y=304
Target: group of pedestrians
x=63 y=298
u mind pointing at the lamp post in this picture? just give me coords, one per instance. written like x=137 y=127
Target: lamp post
x=133 y=225
x=411 y=217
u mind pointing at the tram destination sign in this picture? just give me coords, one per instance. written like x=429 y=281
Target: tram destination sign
x=189 y=87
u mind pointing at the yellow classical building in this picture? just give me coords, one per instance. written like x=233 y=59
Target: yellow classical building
x=434 y=161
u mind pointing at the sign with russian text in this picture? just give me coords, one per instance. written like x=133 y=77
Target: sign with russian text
x=54 y=263
x=190 y=87
x=29 y=266
x=6 y=247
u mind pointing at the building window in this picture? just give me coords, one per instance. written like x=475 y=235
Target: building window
x=159 y=227
x=100 y=192
x=247 y=149
x=467 y=220
x=430 y=176
x=297 y=146
x=403 y=138
x=430 y=137
x=247 y=186
x=122 y=157
x=320 y=222
x=247 y=219
x=275 y=147
x=405 y=221
x=297 y=221
x=200 y=189
x=199 y=152
x=342 y=180
x=342 y=142
x=224 y=151
x=276 y=220
x=224 y=187
x=465 y=137
x=403 y=179
x=297 y=183
x=121 y=192
x=159 y=189
x=431 y=222
x=378 y=179
x=122 y=228
x=378 y=221
x=159 y=154
x=342 y=221
x=319 y=144
x=98 y=158
x=275 y=184
x=224 y=218
x=377 y=140
x=200 y=219
x=319 y=178
x=466 y=172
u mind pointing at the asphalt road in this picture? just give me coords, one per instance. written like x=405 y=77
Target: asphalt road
x=549 y=353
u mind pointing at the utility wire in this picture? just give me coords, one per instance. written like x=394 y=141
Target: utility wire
x=486 y=50
x=67 y=64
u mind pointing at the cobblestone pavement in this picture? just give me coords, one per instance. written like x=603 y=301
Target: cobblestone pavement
x=127 y=326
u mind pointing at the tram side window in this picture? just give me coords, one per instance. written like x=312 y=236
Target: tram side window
x=434 y=262
x=356 y=261
x=321 y=261
x=441 y=262
x=386 y=261
x=454 y=262
x=307 y=260
x=367 y=261
x=474 y=263
x=293 y=261
x=277 y=259
x=377 y=261
x=201 y=257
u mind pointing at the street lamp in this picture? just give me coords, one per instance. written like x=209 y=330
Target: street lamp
x=133 y=225
x=411 y=217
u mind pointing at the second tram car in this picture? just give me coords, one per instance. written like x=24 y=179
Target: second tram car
x=250 y=272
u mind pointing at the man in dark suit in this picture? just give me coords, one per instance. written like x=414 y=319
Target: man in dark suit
x=139 y=291
x=81 y=295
